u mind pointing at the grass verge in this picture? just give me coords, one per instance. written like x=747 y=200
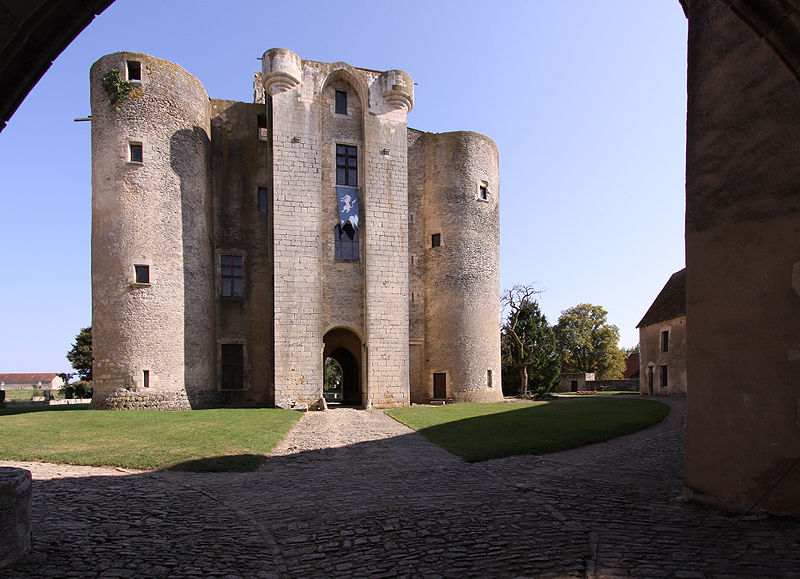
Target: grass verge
x=478 y=432
x=197 y=440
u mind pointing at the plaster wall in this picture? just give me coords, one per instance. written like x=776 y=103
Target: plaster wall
x=674 y=359
x=743 y=267
x=241 y=164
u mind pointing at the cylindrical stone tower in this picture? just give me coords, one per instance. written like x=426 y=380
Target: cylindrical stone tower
x=462 y=267
x=152 y=259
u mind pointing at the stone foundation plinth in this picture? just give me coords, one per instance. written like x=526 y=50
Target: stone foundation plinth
x=15 y=514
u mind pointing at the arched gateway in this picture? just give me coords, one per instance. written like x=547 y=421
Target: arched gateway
x=345 y=347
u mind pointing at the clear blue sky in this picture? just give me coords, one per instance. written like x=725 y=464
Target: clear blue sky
x=586 y=100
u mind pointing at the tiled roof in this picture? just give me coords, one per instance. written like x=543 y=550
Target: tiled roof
x=36 y=377
x=670 y=303
x=631 y=365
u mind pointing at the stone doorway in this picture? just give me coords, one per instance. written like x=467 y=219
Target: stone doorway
x=344 y=347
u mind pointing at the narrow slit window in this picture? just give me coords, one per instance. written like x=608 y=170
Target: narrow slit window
x=134 y=70
x=664 y=377
x=341 y=102
x=489 y=379
x=436 y=240
x=142 y=273
x=665 y=341
x=262 y=199
x=146 y=378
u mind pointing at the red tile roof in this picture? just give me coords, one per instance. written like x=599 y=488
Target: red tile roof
x=35 y=377
x=631 y=365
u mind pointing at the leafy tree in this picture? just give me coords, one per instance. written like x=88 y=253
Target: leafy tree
x=80 y=356
x=588 y=343
x=332 y=376
x=528 y=343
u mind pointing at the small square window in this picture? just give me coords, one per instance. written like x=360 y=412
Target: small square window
x=436 y=240
x=134 y=70
x=142 y=273
x=341 y=102
x=136 y=155
x=262 y=199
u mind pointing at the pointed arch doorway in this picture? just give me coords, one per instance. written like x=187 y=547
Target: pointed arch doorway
x=344 y=346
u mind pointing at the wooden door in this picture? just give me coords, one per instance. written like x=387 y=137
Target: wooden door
x=439 y=385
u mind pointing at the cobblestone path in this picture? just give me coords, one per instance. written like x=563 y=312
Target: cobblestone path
x=355 y=493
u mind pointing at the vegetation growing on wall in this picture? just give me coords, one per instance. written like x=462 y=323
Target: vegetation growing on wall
x=116 y=87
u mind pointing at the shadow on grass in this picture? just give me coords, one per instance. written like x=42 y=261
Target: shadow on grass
x=544 y=428
x=9 y=410
x=229 y=463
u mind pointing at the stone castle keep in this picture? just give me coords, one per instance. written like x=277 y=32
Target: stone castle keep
x=235 y=246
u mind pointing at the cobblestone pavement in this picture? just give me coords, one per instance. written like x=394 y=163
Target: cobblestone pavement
x=355 y=493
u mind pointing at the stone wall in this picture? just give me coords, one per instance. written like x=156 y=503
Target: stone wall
x=462 y=274
x=240 y=162
x=15 y=514
x=150 y=339
x=742 y=266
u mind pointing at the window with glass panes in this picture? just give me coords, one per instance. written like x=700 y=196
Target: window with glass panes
x=232 y=275
x=347 y=165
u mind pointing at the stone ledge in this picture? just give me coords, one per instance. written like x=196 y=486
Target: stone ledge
x=15 y=514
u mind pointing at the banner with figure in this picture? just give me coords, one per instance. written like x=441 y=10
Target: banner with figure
x=348 y=205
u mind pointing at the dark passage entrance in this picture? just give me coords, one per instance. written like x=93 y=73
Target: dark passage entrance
x=344 y=347
x=439 y=385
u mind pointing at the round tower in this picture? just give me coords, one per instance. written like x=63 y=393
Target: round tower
x=462 y=267
x=152 y=260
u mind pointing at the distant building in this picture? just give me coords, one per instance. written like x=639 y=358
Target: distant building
x=662 y=341
x=574 y=382
x=31 y=381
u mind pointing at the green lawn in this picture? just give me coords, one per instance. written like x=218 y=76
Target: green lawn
x=478 y=432
x=197 y=440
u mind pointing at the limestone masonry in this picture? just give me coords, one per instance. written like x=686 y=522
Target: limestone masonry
x=235 y=246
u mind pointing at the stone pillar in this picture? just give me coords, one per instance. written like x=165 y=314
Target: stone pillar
x=15 y=514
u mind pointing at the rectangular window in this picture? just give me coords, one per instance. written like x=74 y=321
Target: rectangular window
x=232 y=366
x=347 y=165
x=262 y=121
x=135 y=152
x=664 y=376
x=341 y=102
x=436 y=240
x=262 y=199
x=142 y=273
x=232 y=275
x=483 y=192
x=134 y=68
x=665 y=341
x=439 y=385
x=346 y=242
x=146 y=378
x=489 y=379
